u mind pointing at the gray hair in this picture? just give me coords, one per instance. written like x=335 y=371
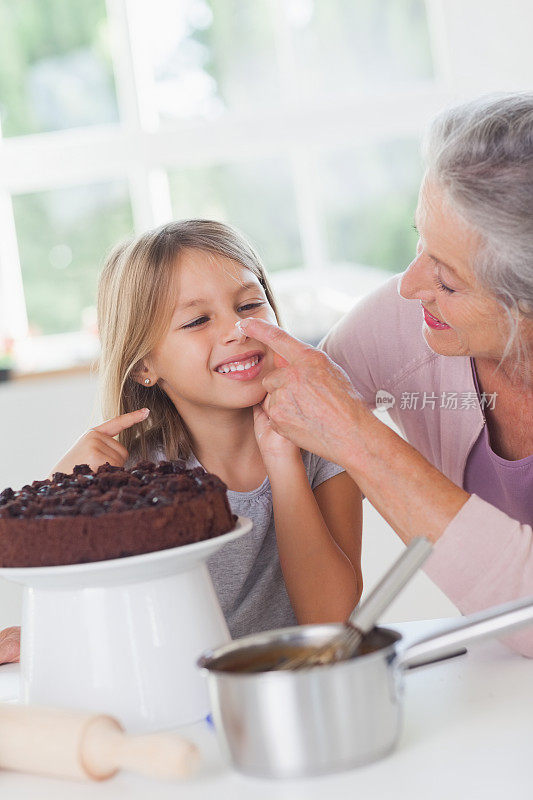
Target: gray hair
x=481 y=154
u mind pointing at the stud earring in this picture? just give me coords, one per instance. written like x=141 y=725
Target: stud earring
x=147 y=381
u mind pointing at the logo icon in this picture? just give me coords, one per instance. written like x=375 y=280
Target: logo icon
x=384 y=400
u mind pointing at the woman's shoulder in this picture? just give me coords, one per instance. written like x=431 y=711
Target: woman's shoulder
x=380 y=317
x=381 y=335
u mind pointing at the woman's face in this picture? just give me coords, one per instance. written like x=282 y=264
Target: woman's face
x=460 y=318
x=203 y=360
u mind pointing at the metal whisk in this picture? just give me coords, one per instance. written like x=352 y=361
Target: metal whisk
x=365 y=616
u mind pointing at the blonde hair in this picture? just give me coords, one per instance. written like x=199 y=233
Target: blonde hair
x=134 y=310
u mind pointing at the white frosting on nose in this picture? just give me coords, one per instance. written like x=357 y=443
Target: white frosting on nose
x=241 y=336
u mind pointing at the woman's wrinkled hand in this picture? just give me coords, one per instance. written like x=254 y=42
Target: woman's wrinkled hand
x=98 y=445
x=310 y=399
x=9 y=645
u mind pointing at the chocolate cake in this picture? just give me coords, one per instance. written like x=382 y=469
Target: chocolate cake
x=110 y=513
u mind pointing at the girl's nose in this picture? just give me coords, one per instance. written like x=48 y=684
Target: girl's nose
x=417 y=282
x=231 y=334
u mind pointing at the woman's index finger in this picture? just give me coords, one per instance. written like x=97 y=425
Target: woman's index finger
x=280 y=341
x=118 y=424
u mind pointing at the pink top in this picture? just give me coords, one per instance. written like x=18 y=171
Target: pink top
x=508 y=485
x=484 y=556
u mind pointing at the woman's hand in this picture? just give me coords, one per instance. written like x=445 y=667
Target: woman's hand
x=272 y=445
x=311 y=400
x=98 y=445
x=9 y=645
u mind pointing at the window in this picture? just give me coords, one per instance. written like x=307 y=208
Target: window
x=208 y=58
x=255 y=196
x=372 y=225
x=342 y=48
x=61 y=235
x=295 y=120
x=55 y=66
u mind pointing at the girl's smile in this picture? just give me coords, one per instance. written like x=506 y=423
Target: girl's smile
x=244 y=367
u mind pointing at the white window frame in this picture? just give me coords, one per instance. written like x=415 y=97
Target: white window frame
x=138 y=151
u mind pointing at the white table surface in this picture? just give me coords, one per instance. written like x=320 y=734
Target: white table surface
x=467 y=734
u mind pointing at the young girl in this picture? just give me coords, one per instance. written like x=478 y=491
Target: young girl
x=179 y=380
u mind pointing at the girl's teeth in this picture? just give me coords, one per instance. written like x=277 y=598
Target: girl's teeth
x=225 y=368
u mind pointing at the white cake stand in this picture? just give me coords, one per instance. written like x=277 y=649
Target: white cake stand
x=122 y=636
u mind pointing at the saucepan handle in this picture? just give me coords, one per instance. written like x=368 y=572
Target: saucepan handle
x=483 y=625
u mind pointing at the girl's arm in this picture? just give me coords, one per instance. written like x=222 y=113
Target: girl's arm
x=9 y=645
x=319 y=541
x=341 y=504
x=318 y=533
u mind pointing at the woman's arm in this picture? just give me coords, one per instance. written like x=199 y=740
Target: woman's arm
x=319 y=541
x=312 y=402
x=413 y=496
x=483 y=557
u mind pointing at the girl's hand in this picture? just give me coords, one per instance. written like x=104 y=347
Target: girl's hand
x=98 y=445
x=272 y=445
x=9 y=645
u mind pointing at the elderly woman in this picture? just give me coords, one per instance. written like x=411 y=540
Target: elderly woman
x=450 y=344
x=448 y=347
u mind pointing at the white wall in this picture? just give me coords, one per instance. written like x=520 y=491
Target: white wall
x=39 y=419
x=483 y=45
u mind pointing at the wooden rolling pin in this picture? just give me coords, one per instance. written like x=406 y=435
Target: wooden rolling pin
x=72 y=744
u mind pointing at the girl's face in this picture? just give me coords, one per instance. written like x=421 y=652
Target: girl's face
x=203 y=360
x=459 y=316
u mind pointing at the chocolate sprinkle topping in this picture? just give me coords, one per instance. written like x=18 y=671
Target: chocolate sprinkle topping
x=109 y=489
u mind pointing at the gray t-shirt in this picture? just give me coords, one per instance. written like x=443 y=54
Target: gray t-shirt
x=246 y=573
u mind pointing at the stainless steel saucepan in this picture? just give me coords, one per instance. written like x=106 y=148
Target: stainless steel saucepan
x=282 y=724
